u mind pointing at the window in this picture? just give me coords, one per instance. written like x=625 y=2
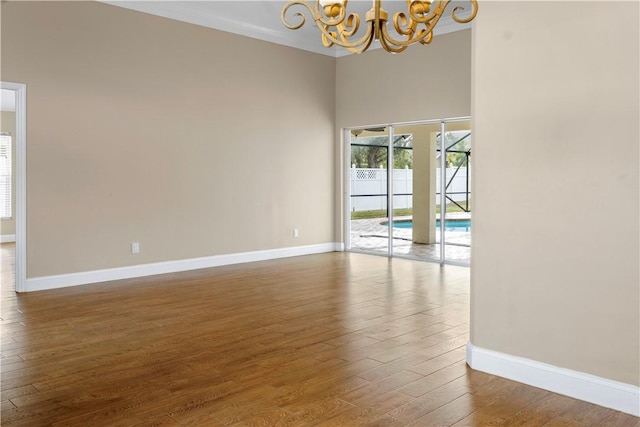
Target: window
x=5 y=175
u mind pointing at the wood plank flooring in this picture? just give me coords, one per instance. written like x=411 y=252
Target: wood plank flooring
x=334 y=339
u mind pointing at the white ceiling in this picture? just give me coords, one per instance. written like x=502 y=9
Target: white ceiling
x=261 y=19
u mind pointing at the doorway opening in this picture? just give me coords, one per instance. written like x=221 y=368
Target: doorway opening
x=396 y=176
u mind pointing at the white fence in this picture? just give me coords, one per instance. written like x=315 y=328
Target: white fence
x=369 y=188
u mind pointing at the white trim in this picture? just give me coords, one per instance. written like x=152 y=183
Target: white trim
x=579 y=385
x=346 y=187
x=96 y=276
x=7 y=238
x=20 y=152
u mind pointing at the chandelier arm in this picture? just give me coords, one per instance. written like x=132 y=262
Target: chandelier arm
x=359 y=49
x=402 y=25
x=389 y=45
x=440 y=6
x=407 y=27
x=360 y=45
x=325 y=40
x=437 y=8
x=339 y=39
x=418 y=36
x=427 y=39
x=353 y=22
x=474 y=12
x=315 y=13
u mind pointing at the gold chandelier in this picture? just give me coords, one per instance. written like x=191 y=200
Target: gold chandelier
x=337 y=27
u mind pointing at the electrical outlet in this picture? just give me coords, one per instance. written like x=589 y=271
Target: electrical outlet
x=296 y=232
x=135 y=247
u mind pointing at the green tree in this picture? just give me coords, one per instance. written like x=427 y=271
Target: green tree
x=459 y=142
x=374 y=156
x=369 y=157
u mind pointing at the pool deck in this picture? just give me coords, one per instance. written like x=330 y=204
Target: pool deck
x=370 y=236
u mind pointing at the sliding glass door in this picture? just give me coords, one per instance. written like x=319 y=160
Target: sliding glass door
x=405 y=161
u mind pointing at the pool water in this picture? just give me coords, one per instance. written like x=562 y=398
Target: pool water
x=451 y=224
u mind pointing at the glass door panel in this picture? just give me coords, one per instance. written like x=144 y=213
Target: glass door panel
x=457 y=218
x=369 y=208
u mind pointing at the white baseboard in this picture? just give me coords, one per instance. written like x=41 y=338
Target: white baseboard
x=7 y=238
x=590 y=388
x=96 y=276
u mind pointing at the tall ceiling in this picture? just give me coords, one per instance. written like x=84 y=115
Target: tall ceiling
x=261 y=19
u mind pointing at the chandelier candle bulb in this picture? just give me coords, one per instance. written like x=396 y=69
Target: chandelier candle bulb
x=419 y=7
x=331 y=7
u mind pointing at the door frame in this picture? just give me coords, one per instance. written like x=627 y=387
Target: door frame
x=346 y=185
x=20 y=141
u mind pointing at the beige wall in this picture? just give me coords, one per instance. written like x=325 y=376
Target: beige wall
x=421 y=83
x=192 y=141
x=555 y=263
x=8 y=124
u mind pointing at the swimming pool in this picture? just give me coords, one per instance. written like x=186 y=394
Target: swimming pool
x=451 y=224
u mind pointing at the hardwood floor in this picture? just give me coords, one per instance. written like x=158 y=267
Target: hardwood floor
x=324 y=340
